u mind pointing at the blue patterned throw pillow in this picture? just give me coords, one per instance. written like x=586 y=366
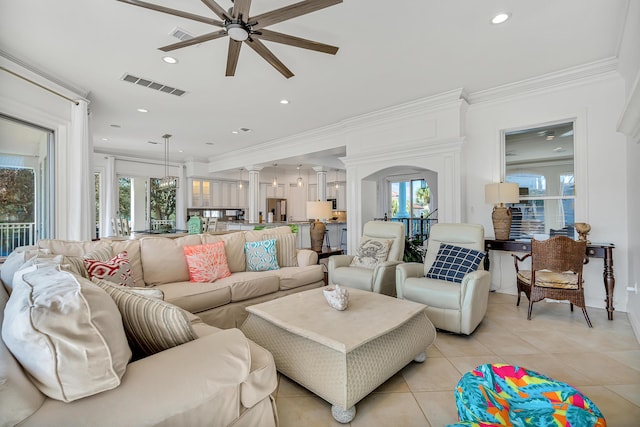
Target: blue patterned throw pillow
x=454 y=262
x=262 y=255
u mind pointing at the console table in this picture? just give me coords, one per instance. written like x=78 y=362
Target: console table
x=594 y=250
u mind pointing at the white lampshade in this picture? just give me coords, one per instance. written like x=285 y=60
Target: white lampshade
x=502 y=192
x=319 y=210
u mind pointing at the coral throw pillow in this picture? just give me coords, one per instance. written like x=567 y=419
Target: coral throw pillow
x=207 y=263
x=116 y=270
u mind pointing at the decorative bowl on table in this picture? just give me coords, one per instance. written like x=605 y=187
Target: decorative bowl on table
x=336 y=297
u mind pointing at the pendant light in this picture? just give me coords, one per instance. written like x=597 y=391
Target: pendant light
x=168 y=182
x=299 y=177
x=337 y=186
x=240 y=185
x=275 y=177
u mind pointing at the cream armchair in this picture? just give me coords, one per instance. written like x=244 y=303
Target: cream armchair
x=452 y=306
x=382 y=277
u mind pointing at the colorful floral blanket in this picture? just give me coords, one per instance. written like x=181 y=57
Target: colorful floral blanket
x=505 y=395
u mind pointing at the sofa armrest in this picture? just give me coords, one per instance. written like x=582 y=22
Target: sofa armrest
x=336 y=261
x=190 y=384
x=306 y=257
x=405 y=271
x=384 y=278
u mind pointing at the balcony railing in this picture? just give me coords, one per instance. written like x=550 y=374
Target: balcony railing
x=14 y=234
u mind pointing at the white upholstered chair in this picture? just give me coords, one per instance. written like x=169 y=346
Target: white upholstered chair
x=452 y=306
x=381 y=278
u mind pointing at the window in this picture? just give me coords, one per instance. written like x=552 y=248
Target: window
x=541 y=161
x=163 y=206
x=410 y=203
x=26 y=184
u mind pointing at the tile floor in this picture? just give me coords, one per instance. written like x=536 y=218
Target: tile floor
x=603 y=362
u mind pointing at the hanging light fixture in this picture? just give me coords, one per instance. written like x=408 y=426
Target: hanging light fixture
x=299 y=177
x=337 y=186
x=275 y=177
x=240 y=182
x=168 y=182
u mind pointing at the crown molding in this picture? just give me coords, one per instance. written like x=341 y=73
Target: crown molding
x=629 y=123
x=564 y=77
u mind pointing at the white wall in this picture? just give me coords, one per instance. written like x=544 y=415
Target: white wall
x=601 y=176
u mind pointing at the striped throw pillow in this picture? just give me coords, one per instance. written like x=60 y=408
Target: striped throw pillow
x=286 y=249
x=151 y=325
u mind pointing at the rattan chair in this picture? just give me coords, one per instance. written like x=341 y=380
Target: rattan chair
x=556 y=272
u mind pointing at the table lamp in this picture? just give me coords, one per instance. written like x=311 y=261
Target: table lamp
x=317 y=211
x=500 y=193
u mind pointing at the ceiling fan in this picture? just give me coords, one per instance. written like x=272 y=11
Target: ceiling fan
x=240 y=27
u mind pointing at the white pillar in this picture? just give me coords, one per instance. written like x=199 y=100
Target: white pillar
x=254 y=192
x=321 y=179
x=110 y=209
x=139 y=204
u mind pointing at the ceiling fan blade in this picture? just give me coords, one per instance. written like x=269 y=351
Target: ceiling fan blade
x=195 y=40
x=276 y=37
x=241 y=9
x=232 y=57
x=268 y=56
x=175 y=12
x=288 y=12
x=217 y=9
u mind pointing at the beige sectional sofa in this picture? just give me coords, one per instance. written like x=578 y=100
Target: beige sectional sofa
x=220 y=378
x=159 y=262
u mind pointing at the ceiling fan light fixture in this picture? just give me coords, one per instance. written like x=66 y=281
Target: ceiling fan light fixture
x=237 y=31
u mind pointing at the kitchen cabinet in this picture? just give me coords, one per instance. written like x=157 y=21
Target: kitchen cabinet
x=208 y=193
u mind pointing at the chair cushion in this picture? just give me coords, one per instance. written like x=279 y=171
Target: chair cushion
x=116 y=270
x=207 y=263
x=261 y=255
x=353 y=277
x=454 y=262
x=72 y=349
x=550 y=279
x=371 y=252
x=151 y=325
x=498 y=394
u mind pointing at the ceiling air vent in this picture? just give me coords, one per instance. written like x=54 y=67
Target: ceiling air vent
x=180 y=34
x=152 y=85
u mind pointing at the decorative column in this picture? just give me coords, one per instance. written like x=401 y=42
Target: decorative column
x=139 y=197
x=254 y=192
x=321 y=179
x=110 y=185
x=402 y=200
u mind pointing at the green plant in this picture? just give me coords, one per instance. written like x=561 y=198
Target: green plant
x=413 y=250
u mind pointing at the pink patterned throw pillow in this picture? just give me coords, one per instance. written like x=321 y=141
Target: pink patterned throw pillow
x=116 y=270
x=207 y=263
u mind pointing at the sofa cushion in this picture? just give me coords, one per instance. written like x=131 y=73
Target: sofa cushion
x=163 y=259
x=454 y=262
x=15 y=261
x=133 y=252
x=446 y=294
x=116 y=270
x=257 y=235
x=19 y=398
x=207 y=262
x=233 y=247
x=261 y=255
x=196 y=297
x=251 y=284
x=66 y=333
x=71 y=247
x=285 y=248
x=294 y=277
x=151 y=325
x=371 y=252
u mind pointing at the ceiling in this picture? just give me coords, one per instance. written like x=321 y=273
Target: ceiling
x=391 y=52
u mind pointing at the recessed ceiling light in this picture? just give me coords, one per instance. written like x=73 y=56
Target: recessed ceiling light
x=105 y=139
x=143 y=110
x=234 y=132
x=500 y=18
x=284 y=101
x=180 y=151
x=169 y=59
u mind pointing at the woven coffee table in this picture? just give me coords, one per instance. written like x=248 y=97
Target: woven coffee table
x=341 y=356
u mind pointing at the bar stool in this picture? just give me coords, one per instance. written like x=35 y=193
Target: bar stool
x=343 y=239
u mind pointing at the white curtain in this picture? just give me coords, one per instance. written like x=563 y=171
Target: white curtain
x=81 y=195
x=110 y=209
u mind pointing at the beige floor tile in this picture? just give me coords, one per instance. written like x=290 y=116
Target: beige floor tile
x=305 y=411
x=600 y=368
x=631 y=392
x=389 y=409
x=549 y=365
x=437 y=374
x=438 y=406
x=552 y=340
x=630 y=358
x=617 y=411
x=289 y=388
x=465 y=364
x=452 y=345
x=502 y=341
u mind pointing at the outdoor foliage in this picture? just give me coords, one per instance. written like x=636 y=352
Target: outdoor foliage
x=17 y=194
x=163 y=202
